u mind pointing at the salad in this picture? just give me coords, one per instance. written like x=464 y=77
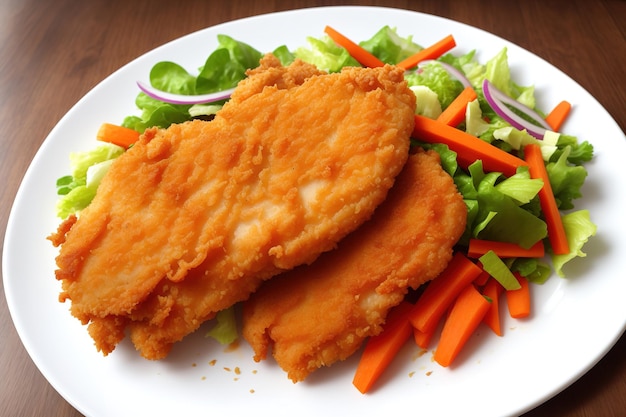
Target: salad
x=506 y=210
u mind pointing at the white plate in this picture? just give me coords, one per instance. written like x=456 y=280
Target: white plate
x=575 y=321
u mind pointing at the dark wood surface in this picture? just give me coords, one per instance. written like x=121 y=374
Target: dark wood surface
x=53 y=52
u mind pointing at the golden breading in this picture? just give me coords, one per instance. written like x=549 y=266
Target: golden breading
x=316 y=315
x=193 y=217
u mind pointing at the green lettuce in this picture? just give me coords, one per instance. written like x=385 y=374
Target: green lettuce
x=475 y=125
x=77 y=189
x=502 y=218
x=500 y=271
x=284 y=55
x=497 y=71
x=447 y=156
x=566 y=180
x=468 y=65
x=223 y=69
x=578 y=152
x=535 y=270
x=226 y=66
x=520 y=187
x=499 y=208
x=325 y=54
x=155 y=113
x=386 y=45
x=225 y=329
x=578 y=228
x=435 y=77
x=171 y=77
x=427 y=102
x=389 y=47
x=500 y=212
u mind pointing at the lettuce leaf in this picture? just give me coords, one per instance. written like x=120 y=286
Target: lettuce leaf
x=225 y=330
x=435 y=77
x=578 y=228
x=284 y=55
x=427 y=102
x=223 y=69
x=535 y=270
x=475 y=125
x=171 y=77
x=579 y=153
x=501 y=272
x=520 y=187
x=226 y=66
x=497 y=71
x=156 y=113
x=325 y=54
x=389 y=47
x=468 y=65
x=75 y=193
x=501 y=212
x=566 y=180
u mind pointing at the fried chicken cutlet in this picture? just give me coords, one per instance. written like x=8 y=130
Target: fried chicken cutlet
x=192 y=218
x=316 y=315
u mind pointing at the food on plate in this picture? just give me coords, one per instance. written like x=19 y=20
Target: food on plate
x=315 y=315
x=228 y=224
x=192 y=218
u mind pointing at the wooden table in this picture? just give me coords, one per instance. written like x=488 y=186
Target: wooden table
x=52 y=53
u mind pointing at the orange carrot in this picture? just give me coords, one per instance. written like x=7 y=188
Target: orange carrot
x=364 y=57
x=422 y=339
x=518 y=300
x=467 y=313
x=381 y=349
x=558 y=115
x=434 y=51
x=478 y=247
x=493 y=289
x=117 y=135
x=482 y=278
x=455 y=112
x=468 y=148
x=556 y=231
x=442 y=291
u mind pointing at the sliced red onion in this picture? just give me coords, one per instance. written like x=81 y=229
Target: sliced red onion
x=451 y=70
x=498 y=100
x=184 y=99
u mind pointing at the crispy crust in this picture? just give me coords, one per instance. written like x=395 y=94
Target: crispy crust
x=192 y=218
x=316 y=315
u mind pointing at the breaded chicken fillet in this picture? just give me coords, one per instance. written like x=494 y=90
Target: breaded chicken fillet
x=192 y=218
x=319 y=314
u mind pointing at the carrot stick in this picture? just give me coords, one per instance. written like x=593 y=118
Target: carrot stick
x=364 y=57
x=442 y=291
x=482 y=278
x=422 y=339
x=556 y=231
x=381 y=349
x=558 y=115
x=117 y=135
x=467 y=313
x=478 y=247
x=468 y=148
x=493 y=289
x=518 y=300
x=434 y=51
x=454 y=114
